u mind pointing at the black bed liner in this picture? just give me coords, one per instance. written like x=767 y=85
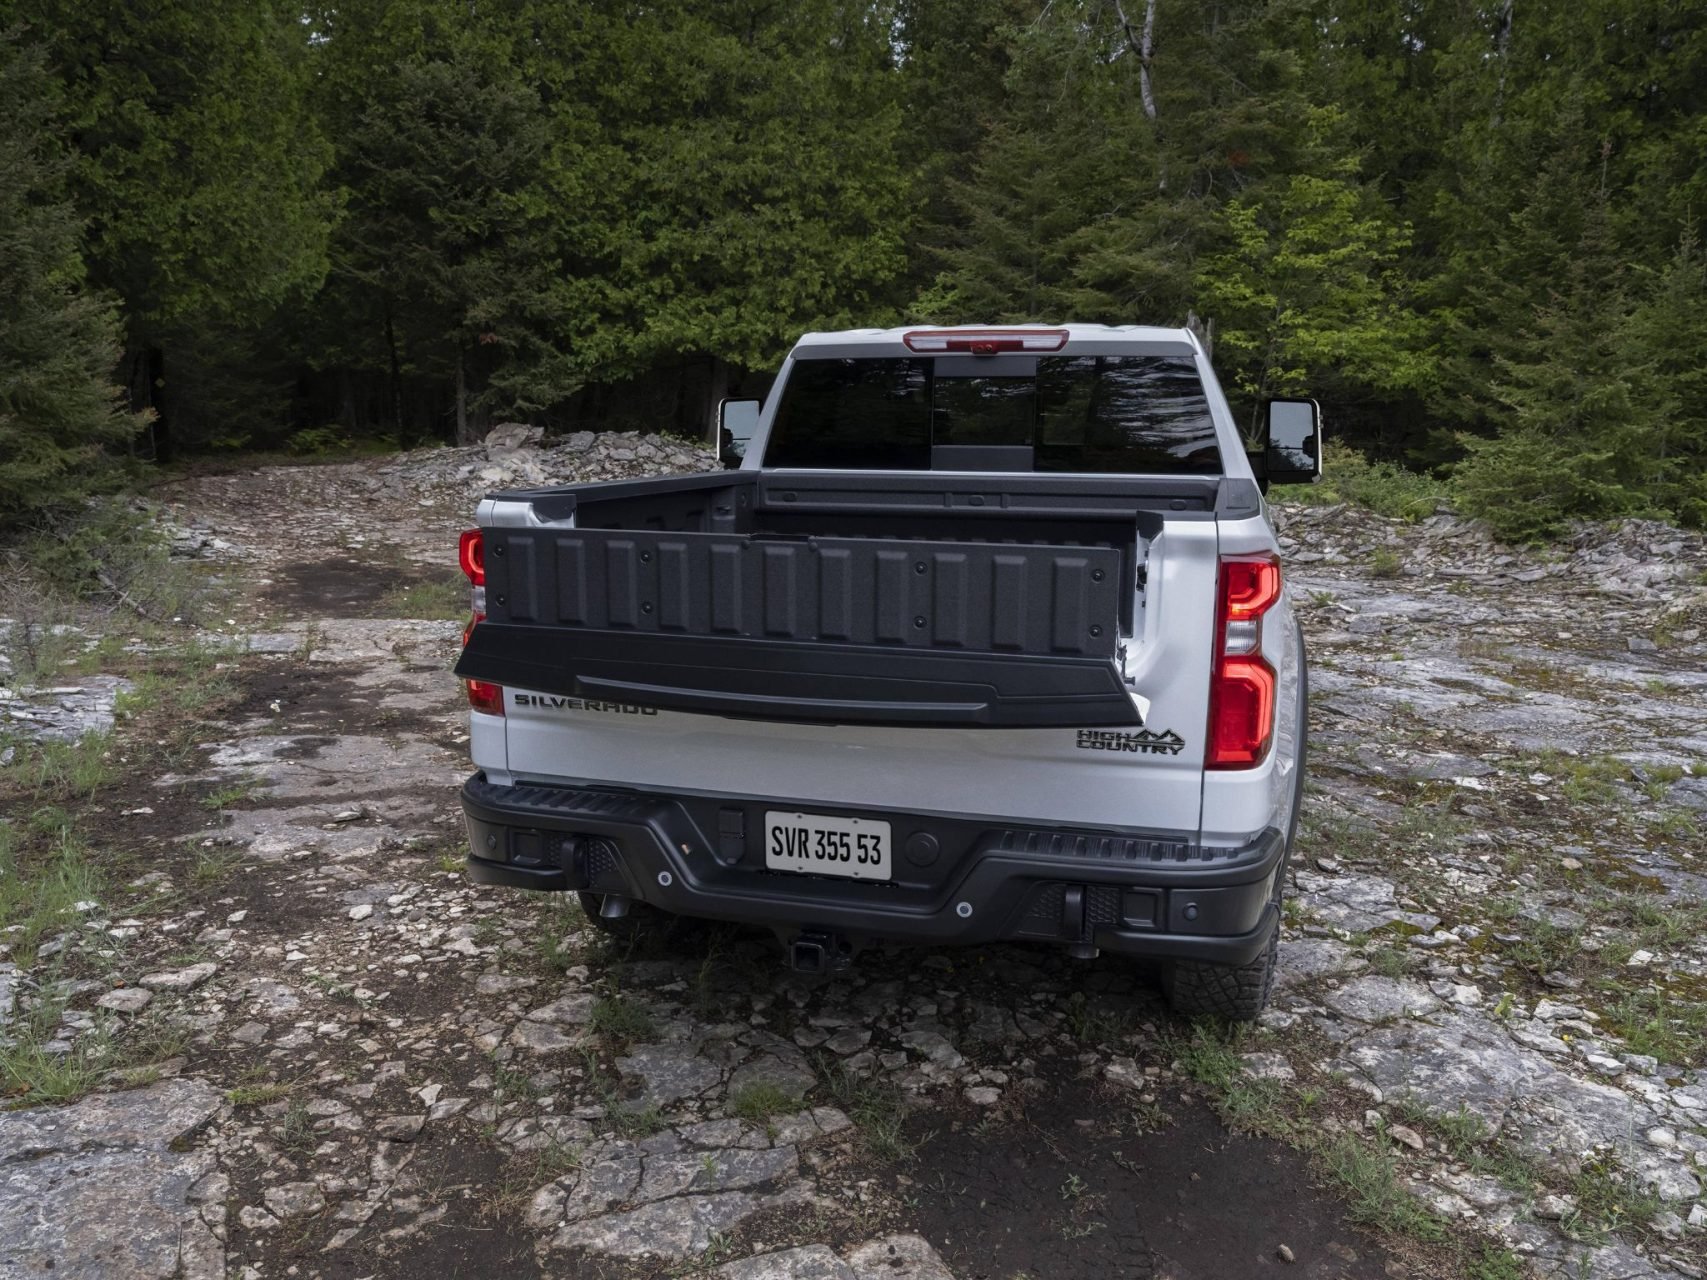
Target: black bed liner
x=901 y=599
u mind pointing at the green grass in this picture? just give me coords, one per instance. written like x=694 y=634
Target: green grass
x=1208 y=1056
x=634 y=1122
x=258 y=1095
x=212 y=867
x=1608 y=1200
x=1391 y=961
x=1368 y=1177
x=39 y=889
x=1651 y=1022
x=1384 y=562
x=1587 y=780
x=1091 y=1024
x=621 y=1020
x=435 y=600
x=61 y=770
x=229 y=797
x=31 y=1076
x=877 y=1107
x=760 y=1100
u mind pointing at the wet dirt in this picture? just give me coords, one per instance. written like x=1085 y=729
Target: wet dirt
x=1080 y=1189
x=358 y=586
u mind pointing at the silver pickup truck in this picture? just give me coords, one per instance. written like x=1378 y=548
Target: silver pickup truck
x=985 y=638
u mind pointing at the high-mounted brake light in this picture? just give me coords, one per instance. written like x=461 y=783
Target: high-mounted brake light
x=984 y=342
x=483 y=695
x=471 y=555
x=1241 y=686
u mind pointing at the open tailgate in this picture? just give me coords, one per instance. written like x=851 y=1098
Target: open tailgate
x=806 y=629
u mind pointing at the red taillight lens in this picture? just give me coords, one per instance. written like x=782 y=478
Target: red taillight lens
x=471 y=555
x=482 y=694
x=1241 y=688
x=1249 y=585
x=1241 y=713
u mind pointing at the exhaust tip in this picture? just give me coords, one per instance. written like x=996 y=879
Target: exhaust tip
x=614 y=907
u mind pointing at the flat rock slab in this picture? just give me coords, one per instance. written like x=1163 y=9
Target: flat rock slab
x=668 y=1074
x=1357 y=903
x=898 y=1257
x=814 y=1262
x=95 y=1190
x=668 y=1229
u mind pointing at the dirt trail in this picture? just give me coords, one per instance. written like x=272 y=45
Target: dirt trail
x=390 y=1072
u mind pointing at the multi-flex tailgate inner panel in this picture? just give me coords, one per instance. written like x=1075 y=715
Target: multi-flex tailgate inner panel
x=815 y=629
x=986 y=597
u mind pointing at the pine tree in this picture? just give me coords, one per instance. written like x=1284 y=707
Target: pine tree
x=1582 y=409
x=1308 y=296
x=447 y=240
x=59 y=411
x=195 y=163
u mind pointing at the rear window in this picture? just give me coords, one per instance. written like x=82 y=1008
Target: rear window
x=1145 y=414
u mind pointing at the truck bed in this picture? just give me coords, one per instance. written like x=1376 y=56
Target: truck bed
x=887 y=598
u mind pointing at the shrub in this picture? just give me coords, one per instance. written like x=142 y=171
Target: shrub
x=1383 y=487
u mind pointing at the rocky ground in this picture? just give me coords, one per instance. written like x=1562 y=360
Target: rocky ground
x=254 y=1021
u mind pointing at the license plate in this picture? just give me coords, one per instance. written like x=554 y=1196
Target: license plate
x=821 y=845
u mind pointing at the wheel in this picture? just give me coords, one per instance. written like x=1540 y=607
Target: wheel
x=1237 y=992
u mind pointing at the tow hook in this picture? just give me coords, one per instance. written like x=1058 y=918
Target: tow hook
x=819 y=953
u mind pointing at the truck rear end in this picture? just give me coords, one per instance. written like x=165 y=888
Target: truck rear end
x=985 y=640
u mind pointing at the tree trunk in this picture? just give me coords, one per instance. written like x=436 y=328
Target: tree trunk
x=462 y=436
x=1143 y=43
x=160 y=428
x=716 y=387
x=1502 y=47
x=396 y=388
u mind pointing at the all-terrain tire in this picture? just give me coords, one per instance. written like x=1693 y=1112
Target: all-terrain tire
x=1237 y=992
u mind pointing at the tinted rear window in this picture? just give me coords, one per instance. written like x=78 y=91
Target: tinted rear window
x=1144 y=414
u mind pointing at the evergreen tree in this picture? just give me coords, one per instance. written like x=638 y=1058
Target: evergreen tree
x=447 y=239
x=1308 y=296
x=195 y=164
x=58 y=338
x=1584 y=410
x=759 y=174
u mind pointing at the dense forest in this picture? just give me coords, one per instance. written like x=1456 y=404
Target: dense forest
x=1469 y=227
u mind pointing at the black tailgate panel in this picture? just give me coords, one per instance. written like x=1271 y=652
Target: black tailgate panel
x=993 y=597
x=824 y=629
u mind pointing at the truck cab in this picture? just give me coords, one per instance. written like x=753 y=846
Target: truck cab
x=985 y=638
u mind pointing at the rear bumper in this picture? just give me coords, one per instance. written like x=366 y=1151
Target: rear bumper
x=957 y=880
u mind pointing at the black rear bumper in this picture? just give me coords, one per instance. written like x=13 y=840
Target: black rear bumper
x=956 y=881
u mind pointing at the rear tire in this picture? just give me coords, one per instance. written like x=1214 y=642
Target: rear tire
x=1237 y=992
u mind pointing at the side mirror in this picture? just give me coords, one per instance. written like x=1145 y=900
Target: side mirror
x=1292 y=442
x=737 y=420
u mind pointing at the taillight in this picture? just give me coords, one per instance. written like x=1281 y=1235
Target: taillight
x=471 y=555
x=984 y=342
x=483 y=695
x=1241 y=688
